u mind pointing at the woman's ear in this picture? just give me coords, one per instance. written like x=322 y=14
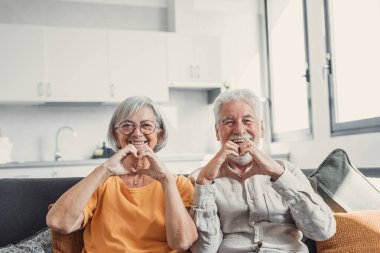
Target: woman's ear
x=160 y=135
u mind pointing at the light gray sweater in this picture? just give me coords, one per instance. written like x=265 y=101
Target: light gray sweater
x=259 y=215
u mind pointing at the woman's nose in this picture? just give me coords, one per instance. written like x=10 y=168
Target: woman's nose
x=136 y=131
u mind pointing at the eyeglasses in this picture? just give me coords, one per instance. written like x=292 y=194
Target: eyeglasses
x=146 y=127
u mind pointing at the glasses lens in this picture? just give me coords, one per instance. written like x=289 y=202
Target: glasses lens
x=126 y=127
x=147 y=127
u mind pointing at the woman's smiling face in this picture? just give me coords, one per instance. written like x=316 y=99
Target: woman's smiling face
x=139 y=120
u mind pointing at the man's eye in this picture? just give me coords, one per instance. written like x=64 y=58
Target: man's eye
x=247 y=122
x=228 y=123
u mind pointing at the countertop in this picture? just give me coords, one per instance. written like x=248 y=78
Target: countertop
x=168 y=158
x=84 y=162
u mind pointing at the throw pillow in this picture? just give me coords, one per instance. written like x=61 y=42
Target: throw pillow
x=355 y=232
x=343 y=187
x=37 y=243
x=65 y=243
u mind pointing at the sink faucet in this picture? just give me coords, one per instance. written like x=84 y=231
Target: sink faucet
x=57 y=151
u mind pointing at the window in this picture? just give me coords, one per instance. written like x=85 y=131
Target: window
x=289 y=90
x=353 y=53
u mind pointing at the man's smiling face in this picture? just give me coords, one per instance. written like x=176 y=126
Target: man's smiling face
x=238 y=122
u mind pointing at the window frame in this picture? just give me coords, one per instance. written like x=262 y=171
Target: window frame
x=301 y=134
x=368 y=125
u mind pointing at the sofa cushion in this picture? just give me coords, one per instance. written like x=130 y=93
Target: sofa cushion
x=355 y=232
x=341 y=185
x=24 y=203
x=37 y=243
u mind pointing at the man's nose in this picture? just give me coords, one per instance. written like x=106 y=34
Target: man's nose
x=240 y=128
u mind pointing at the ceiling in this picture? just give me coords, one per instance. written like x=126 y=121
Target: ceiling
x=141 y=3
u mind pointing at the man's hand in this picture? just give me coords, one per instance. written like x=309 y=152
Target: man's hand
x=211 y=170
x=262 y=164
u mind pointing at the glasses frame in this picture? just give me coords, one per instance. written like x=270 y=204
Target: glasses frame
x=143 y=131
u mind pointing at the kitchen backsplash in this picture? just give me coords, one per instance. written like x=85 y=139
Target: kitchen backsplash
x=32 y=128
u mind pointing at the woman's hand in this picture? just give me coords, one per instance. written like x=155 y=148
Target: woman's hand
x=156 y=169
x=262 y=164
x=211 y=170
x=121 y=162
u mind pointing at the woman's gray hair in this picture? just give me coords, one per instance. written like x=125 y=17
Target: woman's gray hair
x=238 y=94
x=129 y=107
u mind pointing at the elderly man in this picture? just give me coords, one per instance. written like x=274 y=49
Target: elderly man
x=245 y=201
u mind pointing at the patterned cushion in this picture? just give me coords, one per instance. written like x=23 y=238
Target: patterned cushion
x=355 y=232
x=38 y=243
x=343 y=187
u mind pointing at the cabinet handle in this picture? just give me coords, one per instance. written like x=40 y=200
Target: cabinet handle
x=40 y=90
x=48 y=89
x=112 y=90
x=198 y=71
x=191 y=71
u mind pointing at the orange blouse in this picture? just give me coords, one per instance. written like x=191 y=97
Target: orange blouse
x=122 y=219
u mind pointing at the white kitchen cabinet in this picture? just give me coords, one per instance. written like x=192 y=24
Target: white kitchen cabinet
x=194 y=60
x=76 y=65
x=26 y=173
x=138 y=65
x=47 y=172
x=21 y=63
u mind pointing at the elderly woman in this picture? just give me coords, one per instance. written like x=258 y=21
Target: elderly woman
x=131 y=202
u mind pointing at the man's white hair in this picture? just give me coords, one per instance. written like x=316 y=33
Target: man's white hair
x=238 y=94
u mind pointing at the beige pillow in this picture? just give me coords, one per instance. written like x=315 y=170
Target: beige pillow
x=342 y=186
x=355 y=232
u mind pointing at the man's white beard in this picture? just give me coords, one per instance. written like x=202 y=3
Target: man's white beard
x=241 y=160
x=246 y=158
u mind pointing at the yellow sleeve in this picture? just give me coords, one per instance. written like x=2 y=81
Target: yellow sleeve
x=186 y=190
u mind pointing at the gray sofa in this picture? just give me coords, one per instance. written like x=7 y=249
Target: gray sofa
x=25 y=202
x=24 y=205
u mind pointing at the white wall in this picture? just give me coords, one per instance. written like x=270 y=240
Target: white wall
x=362 y=148
x=32 y=129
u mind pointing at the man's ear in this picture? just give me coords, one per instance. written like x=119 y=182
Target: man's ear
x=217 y=133
x=262 y=129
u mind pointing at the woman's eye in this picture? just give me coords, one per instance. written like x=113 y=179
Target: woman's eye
x=146 y=125
x=128 y=126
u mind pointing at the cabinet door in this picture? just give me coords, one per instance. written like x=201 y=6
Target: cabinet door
x=207 y=59
x=21 y=63
x=138 y=65
x=194 y=60
x=180 y=58
x=72 y=171
x=77 y=66
x=26 y=173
